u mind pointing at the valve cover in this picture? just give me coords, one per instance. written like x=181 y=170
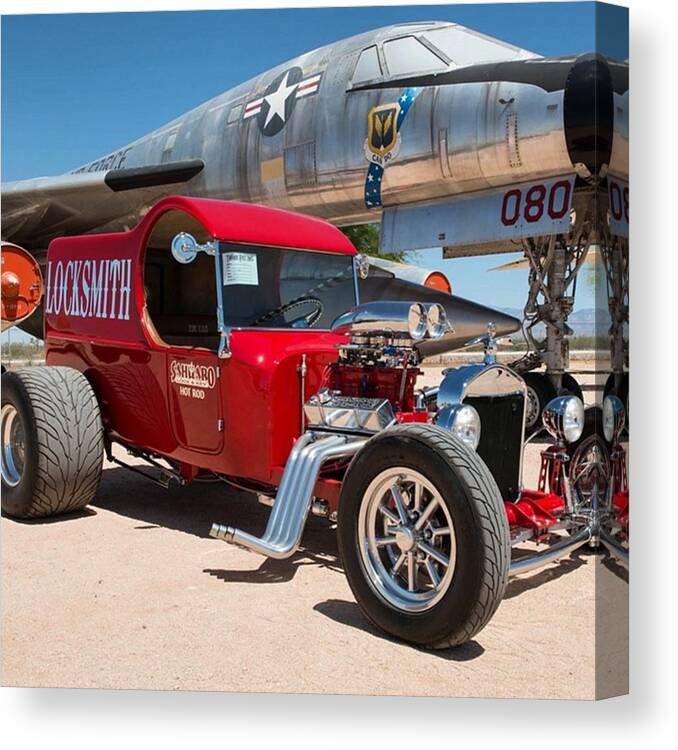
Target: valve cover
x=327 y=410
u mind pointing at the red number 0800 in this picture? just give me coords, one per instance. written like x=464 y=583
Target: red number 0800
x=537 y=200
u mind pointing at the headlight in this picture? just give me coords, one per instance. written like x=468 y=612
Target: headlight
x=417 y=321
x=563 y=417
x=463 y=421
x=614 y=417
x=437 y=320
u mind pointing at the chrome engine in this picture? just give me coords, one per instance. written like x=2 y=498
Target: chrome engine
x=370 y=388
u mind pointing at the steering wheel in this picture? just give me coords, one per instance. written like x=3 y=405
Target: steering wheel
x=303 y=321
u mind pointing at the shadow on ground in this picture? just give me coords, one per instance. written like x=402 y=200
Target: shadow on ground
x=564 y=566
x=615 y=567
x=193 y=509
x=349 y=613
x=281 y=571
x=83 y=513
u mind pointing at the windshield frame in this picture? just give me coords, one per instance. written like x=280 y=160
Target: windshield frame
x=225 y=330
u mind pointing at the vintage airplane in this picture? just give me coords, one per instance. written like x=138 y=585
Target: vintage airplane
x=448 y=137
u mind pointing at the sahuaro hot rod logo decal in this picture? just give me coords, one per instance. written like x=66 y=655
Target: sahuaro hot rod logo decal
x=193 y=379
x=189 y=373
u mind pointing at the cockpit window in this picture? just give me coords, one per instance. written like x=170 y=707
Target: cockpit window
x=408 y=55
x=368 y=67
x=464 y=47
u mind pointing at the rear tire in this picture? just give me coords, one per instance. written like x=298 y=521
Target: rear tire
x=471 y=585
x=52 y=442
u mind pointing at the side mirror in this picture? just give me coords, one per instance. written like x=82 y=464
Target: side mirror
x=362 y=265
x=185 y=248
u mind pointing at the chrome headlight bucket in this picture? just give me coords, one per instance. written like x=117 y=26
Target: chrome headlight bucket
x=563 y=418
x=463 y=421
x=614 y=417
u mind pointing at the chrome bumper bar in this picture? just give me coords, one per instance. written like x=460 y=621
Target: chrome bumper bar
x=293 y=500
x=594 y=536
x=562 y=549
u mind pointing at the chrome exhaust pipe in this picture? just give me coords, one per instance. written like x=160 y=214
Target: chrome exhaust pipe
x=528 y=564
x=293 y=500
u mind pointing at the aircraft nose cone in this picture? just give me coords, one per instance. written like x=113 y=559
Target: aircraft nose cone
x=469 y=320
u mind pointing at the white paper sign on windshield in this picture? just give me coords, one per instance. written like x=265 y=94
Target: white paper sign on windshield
x=240 y=268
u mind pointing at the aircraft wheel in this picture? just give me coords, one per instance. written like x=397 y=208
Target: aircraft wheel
x=540 y=391
x=423 y=536
x=571 y=386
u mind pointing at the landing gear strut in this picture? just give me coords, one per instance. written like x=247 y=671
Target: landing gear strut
x=555 y=262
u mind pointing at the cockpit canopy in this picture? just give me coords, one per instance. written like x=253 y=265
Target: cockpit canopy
x=431 y=48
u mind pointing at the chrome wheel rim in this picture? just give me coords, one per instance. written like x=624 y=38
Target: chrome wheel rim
x=13 y=445
x=532 y=410
x=407 y=541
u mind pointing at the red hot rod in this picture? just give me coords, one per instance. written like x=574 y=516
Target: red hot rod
x=256 y=346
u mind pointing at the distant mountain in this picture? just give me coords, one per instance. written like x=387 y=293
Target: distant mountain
x=590 y=321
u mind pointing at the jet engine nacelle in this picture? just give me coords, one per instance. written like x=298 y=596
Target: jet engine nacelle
x=22 y=285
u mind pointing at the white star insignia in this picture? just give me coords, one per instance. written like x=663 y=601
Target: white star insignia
x=278 y=100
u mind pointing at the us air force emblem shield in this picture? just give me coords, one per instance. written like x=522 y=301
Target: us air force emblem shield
x=383 y=138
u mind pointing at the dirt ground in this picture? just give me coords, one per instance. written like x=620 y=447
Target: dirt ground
x=134 y=594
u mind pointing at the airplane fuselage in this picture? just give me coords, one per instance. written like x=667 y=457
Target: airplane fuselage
x=302 y=136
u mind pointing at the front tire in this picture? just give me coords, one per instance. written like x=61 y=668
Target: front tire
x=52 y=442
x=423 y=536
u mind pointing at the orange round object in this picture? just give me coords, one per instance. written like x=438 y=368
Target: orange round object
x=10 y=285
x=439 y=281
x=21 y=285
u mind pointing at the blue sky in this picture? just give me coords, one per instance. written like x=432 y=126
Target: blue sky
x=76 y=86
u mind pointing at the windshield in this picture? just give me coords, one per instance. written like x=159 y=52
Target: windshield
x=408 y=55
x=270 y=287
x=465 y=47
x=368 y=67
